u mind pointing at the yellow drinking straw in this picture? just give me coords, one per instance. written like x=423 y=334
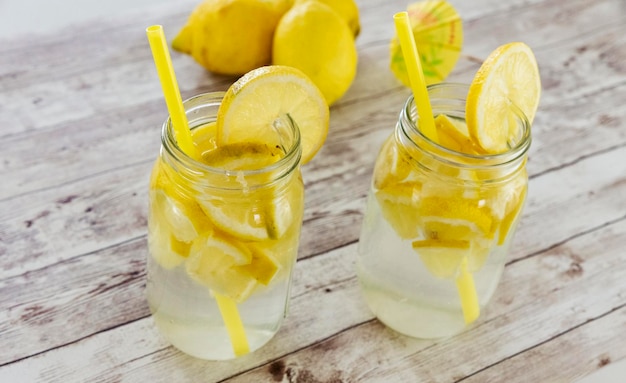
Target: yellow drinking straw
x=163 y=62
x=467 y=292
x=234 y=326
x=465 y=281
x=416 y=75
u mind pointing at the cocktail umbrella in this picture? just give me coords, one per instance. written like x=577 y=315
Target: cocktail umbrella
x=438 y=33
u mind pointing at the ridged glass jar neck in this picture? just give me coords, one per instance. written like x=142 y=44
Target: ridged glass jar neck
x=201 y=110
x=450 y=99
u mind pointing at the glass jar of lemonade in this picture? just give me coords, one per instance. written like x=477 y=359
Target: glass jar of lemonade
x=440 y=219
x=223 y=233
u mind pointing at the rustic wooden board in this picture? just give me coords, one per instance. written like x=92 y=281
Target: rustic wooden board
x=81 y=113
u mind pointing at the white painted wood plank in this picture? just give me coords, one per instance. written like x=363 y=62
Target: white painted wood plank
x=71 y=286
x=55 y=225
x=97 y=102
x=599 y=352
x=538 y=283
x=557 y=298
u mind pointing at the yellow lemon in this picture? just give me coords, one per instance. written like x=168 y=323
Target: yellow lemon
x=175 y=210
x=203 y=138
x=513 y=208
x=164 y=247
x=509 y=75
x=347 y=10
x=269 y=209
x=392 y=165
x=254 y=103
x=231 y=36
x=442 y=257
x=213 y=262
x=315 y=39
x=453 y=134
x=243 y=156
x=458 y=212
x=263 y=266
x=398 y=205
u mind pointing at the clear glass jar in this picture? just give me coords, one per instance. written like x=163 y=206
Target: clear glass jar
x=439 y=220
x=222 y=242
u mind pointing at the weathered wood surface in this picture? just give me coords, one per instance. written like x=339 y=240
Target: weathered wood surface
x=80 y=113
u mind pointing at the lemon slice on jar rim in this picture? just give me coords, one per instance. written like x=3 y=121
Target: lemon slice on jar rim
x=509 y=75
x=255 y=101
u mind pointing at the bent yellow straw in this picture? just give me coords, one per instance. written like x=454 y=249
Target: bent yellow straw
x=465 y=281
x=165 y=69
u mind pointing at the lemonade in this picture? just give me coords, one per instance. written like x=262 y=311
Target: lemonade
x=225 y=225
x=226 y=203
x=437 y=215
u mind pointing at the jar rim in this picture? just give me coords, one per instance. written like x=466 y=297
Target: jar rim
x=290 y=160
x=495 y=159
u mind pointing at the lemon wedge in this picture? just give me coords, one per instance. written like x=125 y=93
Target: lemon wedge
x=442 y=257
x=266 y=213
x=512 y=212
x=392 y=165
x=213 y=262
x=508 y=76
x=282 y=211
x=255 y=101
x=166 y=250
x=447 y=229
x=457 y=213
x=203 y=137
x=180 y=213
x=263 y=266
x=453 y=134
x=246 y=222
x=398 y=204
x=243 y=156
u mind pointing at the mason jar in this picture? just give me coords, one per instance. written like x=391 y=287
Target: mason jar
x=440 y=219
x=223 y=233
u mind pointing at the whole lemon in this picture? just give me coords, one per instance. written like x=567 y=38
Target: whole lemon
x=231 y=36
x=347 y=10
x=315 y=39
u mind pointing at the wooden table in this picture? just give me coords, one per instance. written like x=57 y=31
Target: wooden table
x=80 y=114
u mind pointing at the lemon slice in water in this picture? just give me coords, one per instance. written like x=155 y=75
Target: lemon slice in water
x=265 y=214
x=213 y=262
x=442 y=257
x=398 y=205
x=453 y=134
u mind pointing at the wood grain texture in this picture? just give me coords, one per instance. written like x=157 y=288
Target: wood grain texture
x=81 y=113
